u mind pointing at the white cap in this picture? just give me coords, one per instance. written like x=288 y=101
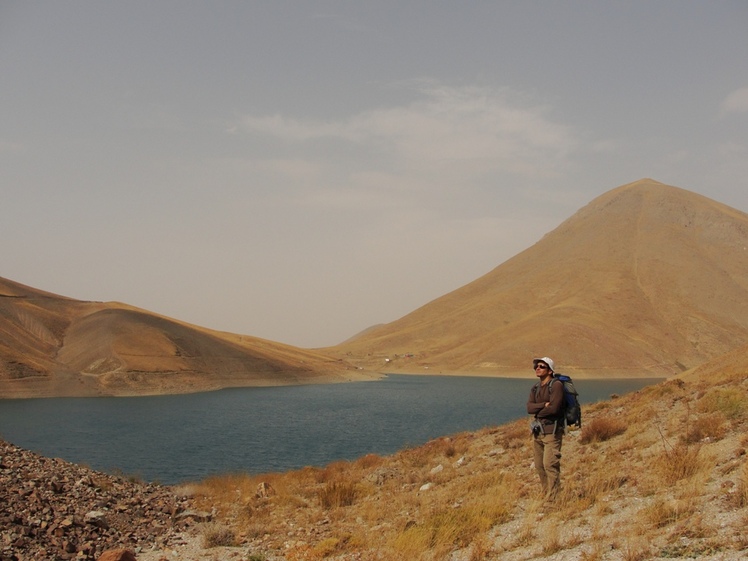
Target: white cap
x=547 y=360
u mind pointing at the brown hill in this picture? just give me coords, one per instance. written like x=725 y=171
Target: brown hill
x=646 y=280
x=51 y=345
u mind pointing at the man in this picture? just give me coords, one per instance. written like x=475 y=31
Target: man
x=546 y=404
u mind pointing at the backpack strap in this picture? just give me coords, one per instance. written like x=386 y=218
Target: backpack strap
x=561 y=415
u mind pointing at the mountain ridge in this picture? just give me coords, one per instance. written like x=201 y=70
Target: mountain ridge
x=53 y=345
x=617 y=281
x=646 y=280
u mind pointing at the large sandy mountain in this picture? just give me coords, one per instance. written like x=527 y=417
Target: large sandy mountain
x=56 y=346
x=646 y=280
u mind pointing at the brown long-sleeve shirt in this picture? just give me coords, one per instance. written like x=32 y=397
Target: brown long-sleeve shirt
x=550 y=416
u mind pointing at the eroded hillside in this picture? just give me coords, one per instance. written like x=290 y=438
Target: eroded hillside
x=56 y=346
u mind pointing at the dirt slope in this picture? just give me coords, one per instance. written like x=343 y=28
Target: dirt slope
x=56 y=346
x=645 y=280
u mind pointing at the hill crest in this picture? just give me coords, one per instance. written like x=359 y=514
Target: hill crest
x=645 y=280
x=54 y=346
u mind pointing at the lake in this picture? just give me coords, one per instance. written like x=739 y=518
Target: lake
x=179 y=438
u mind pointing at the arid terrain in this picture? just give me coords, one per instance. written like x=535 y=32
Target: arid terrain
x=646 y=280
x=56 y=346
x=657 y=474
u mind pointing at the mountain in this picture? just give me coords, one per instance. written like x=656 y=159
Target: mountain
x=646 y=280
x=51 y=345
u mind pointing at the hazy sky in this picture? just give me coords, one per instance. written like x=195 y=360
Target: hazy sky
x=300 y=171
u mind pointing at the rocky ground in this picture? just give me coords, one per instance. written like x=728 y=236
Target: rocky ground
x=52 y=509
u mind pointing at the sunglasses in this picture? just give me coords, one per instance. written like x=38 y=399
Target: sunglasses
x=541 y=366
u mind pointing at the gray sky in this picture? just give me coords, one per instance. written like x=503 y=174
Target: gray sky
x=300 y=171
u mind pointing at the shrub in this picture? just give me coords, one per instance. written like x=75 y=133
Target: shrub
x=636 y=551
x=550 y=540
x=597 y=483
x=451 y=527
x=728 y=401
x=216 y=535
x=369 y=461
x=602 y=429
x=679 y=462
x=661 y=513
x=709 y=425
x=336 y=494
x=741 y=493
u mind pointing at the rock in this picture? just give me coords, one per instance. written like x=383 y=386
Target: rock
x=437 y=469
x=196 y=515
x=97 y=518
x=381 y=475
x=117 y=555
x=426 y=487
x=52 y=509
x=264 y=490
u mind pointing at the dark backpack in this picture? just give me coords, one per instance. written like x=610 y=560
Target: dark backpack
x=572 y=412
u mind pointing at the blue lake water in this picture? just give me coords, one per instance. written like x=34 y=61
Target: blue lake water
x=173 y=439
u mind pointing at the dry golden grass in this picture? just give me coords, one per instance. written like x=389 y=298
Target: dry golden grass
x=602 y=429
x=336 y=494
x=631 y=490
x=729 y=402
x=216 y=535
x=741 y=493
x=706 y=426
x=636 y=549
x=679 y=462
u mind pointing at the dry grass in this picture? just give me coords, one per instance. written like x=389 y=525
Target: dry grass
x=217 y=535
x=679 y=462
x=602 y=429
x=636 y=549
x=631 y=490
x=337 y=494
x=741 y=492
x=707 y=426
x=729 y=402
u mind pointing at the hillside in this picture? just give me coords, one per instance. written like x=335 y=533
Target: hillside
x=661 y=473
x=646 y=280
x=51 y=345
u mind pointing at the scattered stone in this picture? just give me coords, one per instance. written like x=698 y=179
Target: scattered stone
x=437 y=469
x=52 y=509
x=426 y=487
x=264 y=490
x=195 y=515
x=380 y=475
x=97 y=518
x=117 y=555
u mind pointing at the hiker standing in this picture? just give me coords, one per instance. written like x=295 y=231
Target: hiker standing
x=546 y=404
